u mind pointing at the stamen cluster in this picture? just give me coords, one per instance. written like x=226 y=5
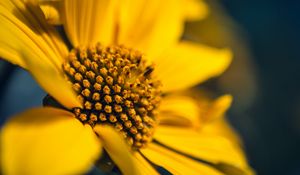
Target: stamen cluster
x=116 y=87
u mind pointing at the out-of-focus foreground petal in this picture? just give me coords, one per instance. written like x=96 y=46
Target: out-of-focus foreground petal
x=47 y=141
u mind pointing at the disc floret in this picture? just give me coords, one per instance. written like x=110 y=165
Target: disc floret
x=116 y=87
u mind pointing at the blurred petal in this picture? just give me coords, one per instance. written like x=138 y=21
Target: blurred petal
x=229 y=169
x=47 y=141
x=216 y=125
x=150 y=26
x=117 y=149
x=195 y=9
x=179 y=110
x=189 y=64
x=90 y=21
x=211 y=148
x=176 y=163
x=20 y=45
x=218 y=108
x=222 y=128
x=51 y=10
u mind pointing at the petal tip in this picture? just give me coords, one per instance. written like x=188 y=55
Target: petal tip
x=227 y=55
x=226 y=100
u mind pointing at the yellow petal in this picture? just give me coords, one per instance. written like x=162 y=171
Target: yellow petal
x=43 y=35
x=129 y=162
x=150 y=26
x=117 y=149
x=47 y=141
x=51 y=10
x=90 y=21
x=176 y=163
x=53 y=82
x=143 y=166
x=211 y=148
x=218 y=108
x=229 y=169
x=179 y=110
x=188 y=64
x=195 y=9
x=221 y=127
x=21 y=45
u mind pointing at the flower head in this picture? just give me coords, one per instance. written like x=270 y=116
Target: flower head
x=126 y=57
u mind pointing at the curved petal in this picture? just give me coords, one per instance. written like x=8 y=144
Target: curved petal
x=218 y=108
x=117 y=149
x=185 y=111
x=129 y=162
x=47 y=140
x=176 y=163
x=51 y=10
x=90 y=21
x=28 y=48
x=221 y=127
x=188 y=64
x=53 y=82
x=29 y=17
x=179 y=110
x=150 y=26
x=211 y=148
x=143 y=165
x=195 y=9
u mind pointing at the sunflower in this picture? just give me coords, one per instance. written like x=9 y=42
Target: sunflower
x=108 y=87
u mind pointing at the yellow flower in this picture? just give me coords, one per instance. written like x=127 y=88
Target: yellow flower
x=114 y=88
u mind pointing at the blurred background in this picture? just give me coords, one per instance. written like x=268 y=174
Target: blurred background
x=264 y=78
x=272 y=136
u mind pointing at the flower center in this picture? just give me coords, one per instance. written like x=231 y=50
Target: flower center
x=116 y=87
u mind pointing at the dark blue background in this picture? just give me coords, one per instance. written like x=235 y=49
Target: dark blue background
x=273 y=31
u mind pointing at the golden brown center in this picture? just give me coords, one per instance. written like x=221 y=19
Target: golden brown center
x=116 y=87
